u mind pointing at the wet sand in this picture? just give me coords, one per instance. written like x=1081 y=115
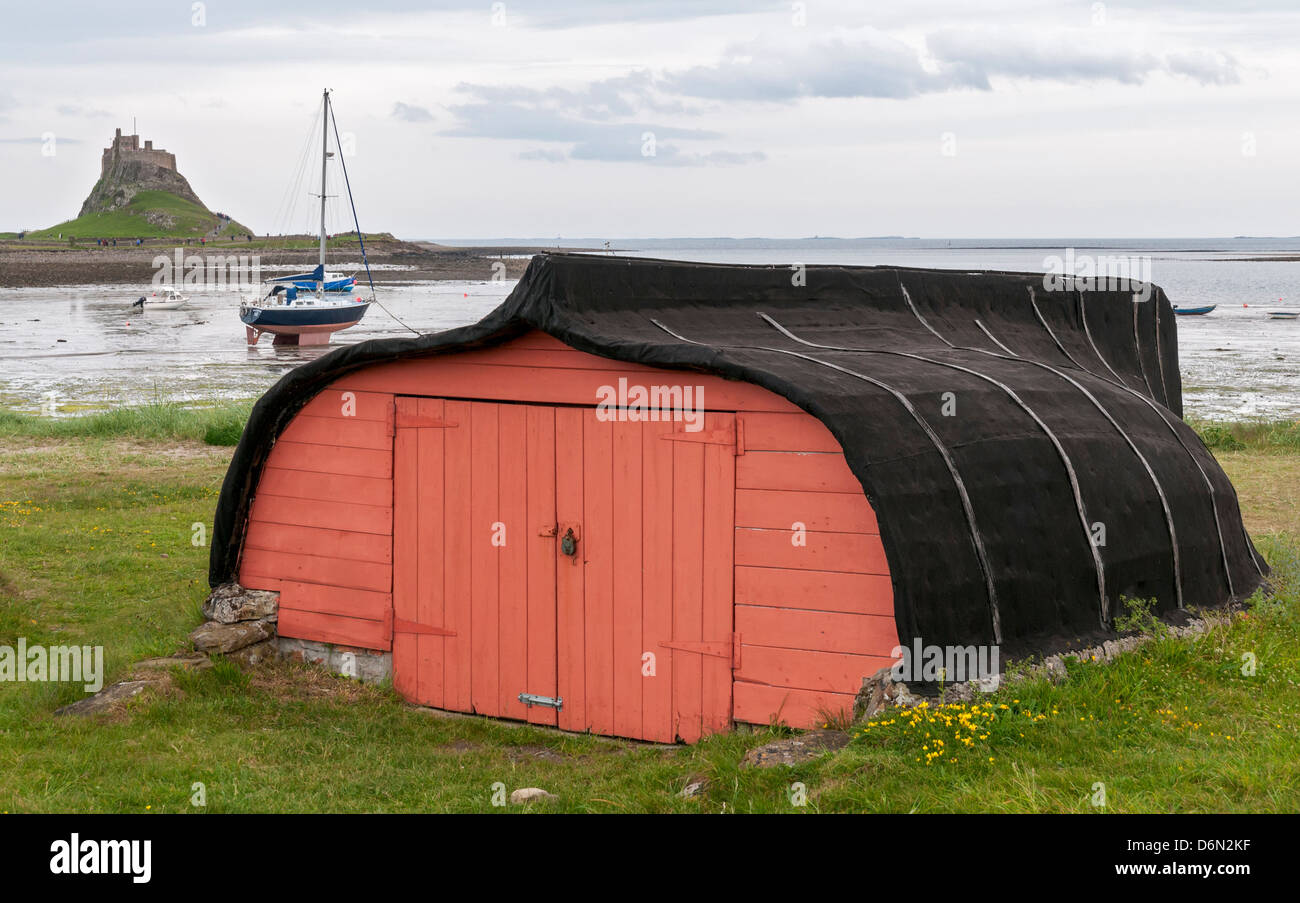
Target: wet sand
x=47 y=263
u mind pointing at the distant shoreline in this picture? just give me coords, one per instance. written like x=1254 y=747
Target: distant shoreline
x=30 y=263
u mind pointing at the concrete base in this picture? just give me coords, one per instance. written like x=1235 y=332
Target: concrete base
x=366 y=665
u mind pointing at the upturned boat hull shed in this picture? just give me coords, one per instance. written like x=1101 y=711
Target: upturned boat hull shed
x=650 y=499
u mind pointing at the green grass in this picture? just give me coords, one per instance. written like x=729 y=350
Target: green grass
x=189 y=220
x=215 y=424
x=96 y=547
x=1250 y=435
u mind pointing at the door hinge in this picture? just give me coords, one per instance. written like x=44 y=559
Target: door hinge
x=405 y=416
x=728 y=435
x=401 y=626
x=550 y=702
x=728 y=649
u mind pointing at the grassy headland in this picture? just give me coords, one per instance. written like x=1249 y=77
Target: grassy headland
x=149 y=214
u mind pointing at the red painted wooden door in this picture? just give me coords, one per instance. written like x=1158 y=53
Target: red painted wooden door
x=632 y=632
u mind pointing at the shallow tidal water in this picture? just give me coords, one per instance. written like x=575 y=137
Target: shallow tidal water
x=71 y=349
x=84 y=348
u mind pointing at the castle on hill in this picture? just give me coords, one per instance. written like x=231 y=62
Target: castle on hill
x=127 y=147
x=126 y=168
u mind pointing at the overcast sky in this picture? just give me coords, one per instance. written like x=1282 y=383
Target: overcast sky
x=932 y=118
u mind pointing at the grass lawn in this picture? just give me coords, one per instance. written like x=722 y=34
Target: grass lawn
x=96 y=531
x=185 y=218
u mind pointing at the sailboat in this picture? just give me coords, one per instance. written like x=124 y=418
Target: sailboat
x=297 y=309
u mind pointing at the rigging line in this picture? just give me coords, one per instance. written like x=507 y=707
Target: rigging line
x=1165 y=414
x=288 y=206
x=1164 y=502
x=360 y=239
x=967 y=508
x=1098 y=564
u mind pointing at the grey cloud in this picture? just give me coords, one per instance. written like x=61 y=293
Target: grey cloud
x=873 y=65
x=410 y=113
x=588 y=140
x=621 y=96
x=973 y=56
x=1206 y=67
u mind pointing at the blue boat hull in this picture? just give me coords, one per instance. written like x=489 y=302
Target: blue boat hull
x=300 y=325
x=1194 y=311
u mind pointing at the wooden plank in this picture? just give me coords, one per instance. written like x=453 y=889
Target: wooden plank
x=484 y=559
x=313 y=569
x=375 y=406
x=406 y=550
x=657 y=581
x=427 y=493
x=458 y=530
x=830 y=512
x=868 y=594
x=570 y=643
x=315 y=458
x=301 y=484
x=336 y=600
x=347 y=432
x=803 y=471
x=820 y=631
x=718 y=593
x=323 y=628
x=801 y=432
x=804 y=669
x=512 y=564
x=542 y=678
x=596 y=549
x=628 y=500
x=331 y=515
x=542 y=385
x=323 y=543
x=688 y=584
x=763 y=704
x=851 y=553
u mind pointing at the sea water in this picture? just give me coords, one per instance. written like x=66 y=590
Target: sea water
x=76 y=348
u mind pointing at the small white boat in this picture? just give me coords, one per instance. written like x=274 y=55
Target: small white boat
x=1284 y=314
x=163 y=299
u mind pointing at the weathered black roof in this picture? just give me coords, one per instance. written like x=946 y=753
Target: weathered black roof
x=1064 y=421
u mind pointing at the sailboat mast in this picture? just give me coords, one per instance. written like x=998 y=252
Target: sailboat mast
x=324 y=156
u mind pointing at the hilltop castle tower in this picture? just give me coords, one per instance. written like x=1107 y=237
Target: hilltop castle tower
x=127 y=147
x=126 y=169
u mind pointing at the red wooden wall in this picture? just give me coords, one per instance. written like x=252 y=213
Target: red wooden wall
x=813 y=608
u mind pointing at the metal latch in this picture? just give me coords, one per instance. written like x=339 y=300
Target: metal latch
x=550 y=702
